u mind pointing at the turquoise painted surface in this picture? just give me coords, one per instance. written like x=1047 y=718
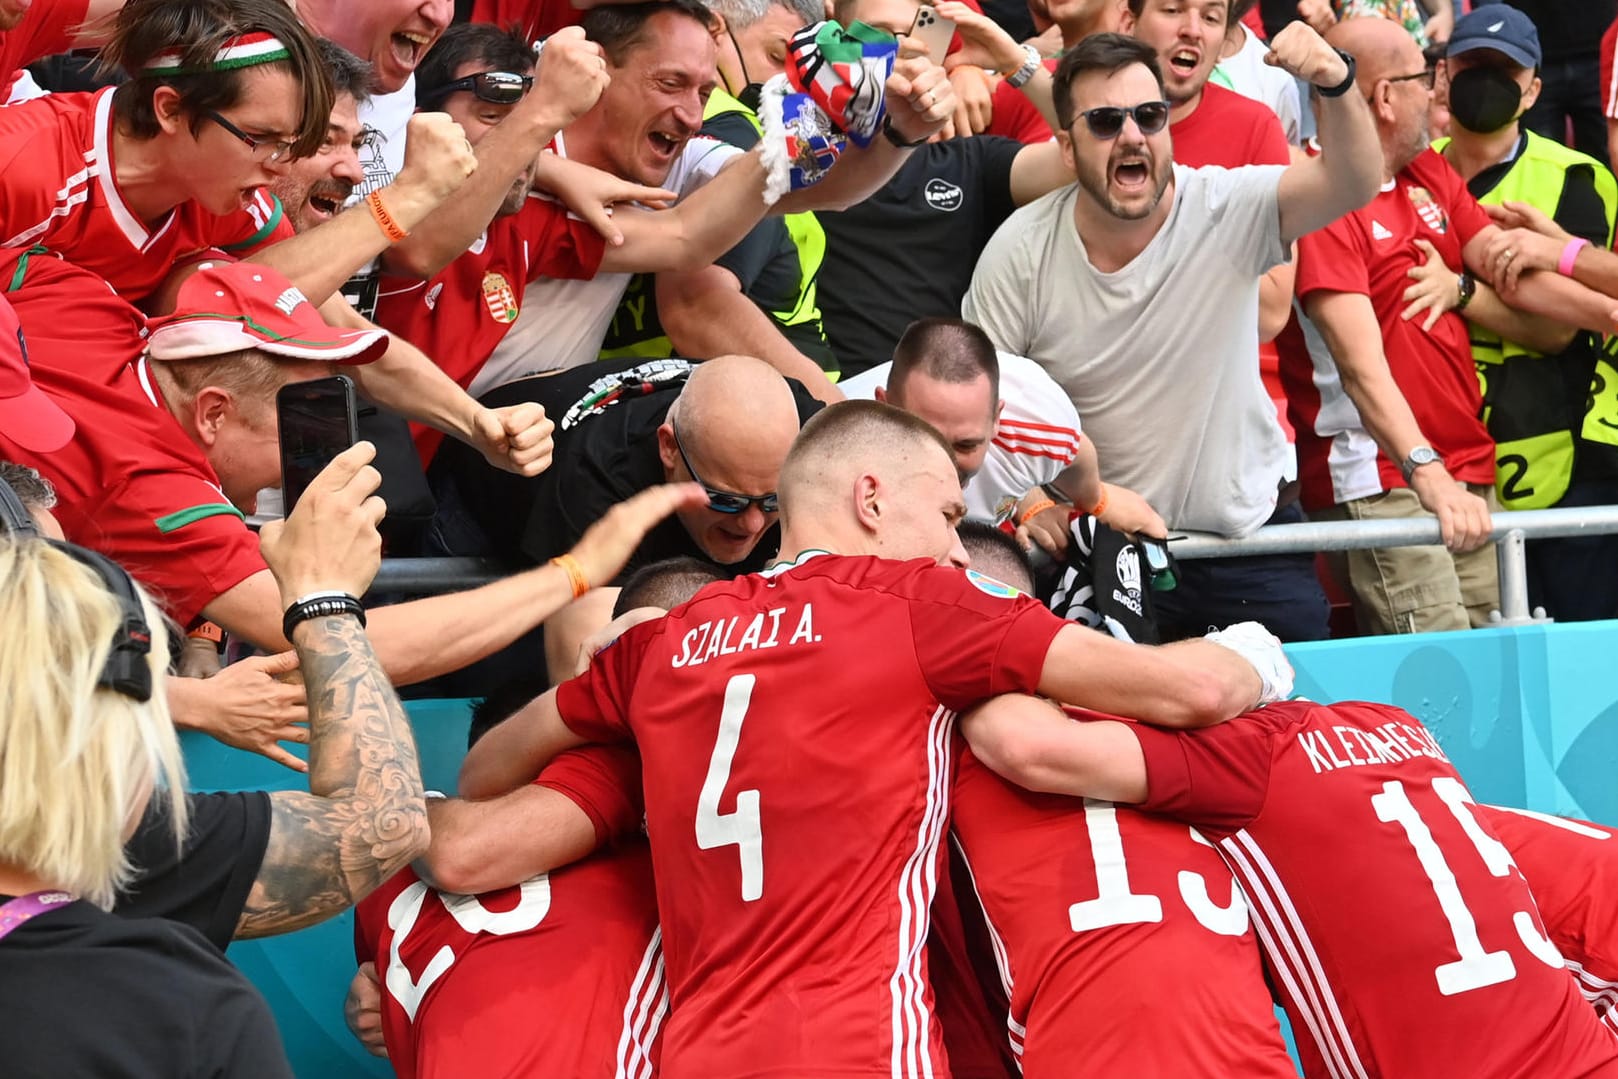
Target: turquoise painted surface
x=1529 y=715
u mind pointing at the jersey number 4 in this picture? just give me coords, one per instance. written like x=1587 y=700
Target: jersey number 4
x=741 y=827
x=1475 y=967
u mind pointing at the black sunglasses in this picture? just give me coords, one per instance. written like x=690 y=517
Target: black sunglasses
x=725 y=501
x=495 y=87
x=1107 y=121
x=263 y=148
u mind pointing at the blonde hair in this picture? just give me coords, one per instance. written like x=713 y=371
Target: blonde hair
x=76 y=760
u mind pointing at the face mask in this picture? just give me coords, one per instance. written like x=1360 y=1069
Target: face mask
x=751 y=93
x=1484 y=99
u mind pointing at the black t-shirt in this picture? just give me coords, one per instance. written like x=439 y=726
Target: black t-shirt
x=907 y=252
x=86 y=993
x=205 y=885
x=605 y=450
x=1570 y=28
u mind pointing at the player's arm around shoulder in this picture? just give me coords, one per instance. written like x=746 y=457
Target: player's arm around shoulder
x=512 y=753
x=1029 y=741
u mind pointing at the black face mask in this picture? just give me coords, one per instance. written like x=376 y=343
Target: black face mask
x=1484 y=99
x=751 y=93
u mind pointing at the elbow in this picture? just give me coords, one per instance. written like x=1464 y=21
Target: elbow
x=452 y=868
x=403 y=835
x=1211 y=701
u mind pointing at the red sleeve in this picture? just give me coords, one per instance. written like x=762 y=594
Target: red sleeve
x=177 y=535
x=45 y=30
x=603 y=781
x=976 y=638
x=1334 y=259
x=1216 y=779
x=1609 y=92
x=1270 y=142
x=561 y=246
x=595 y=705
x=1016 y=117
x=260 y=225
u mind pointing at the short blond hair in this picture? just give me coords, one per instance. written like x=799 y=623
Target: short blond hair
x=76 y=760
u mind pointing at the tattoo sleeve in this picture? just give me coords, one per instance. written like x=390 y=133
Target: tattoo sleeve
x=364 y=816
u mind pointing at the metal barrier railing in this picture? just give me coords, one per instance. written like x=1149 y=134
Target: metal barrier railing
x=1511 y=531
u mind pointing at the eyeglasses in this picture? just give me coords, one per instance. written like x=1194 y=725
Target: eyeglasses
x=262 y=148
x=1107 y=121
x=495 y=87
x=725 y=501
x=1427 y=77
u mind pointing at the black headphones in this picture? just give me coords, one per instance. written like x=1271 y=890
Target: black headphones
x=127 y=670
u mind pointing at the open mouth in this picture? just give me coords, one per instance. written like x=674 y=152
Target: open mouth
x=409 y=46
x=325 y=207
x=663 y=143
x=1184 y=61
x=1131 y=173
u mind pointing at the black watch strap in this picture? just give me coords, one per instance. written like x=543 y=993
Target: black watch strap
x=897 y=139
x=1348 y=80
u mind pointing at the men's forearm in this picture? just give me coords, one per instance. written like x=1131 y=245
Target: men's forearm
x=1561 y=299
x=321 y=259
x=515 y=751
x=481 y=846
x=698 y=229
x=1537 y=332
x=705 y=317
x=428 y=637
x=1186 y=684
x=857 y=175
x=364 y=816
x=1348 y=324
x=405 y=380
x=1350 y=150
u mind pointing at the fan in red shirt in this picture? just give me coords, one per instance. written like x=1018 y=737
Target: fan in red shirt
x=561 y=975
x=33 y=31
x=1397 y=927
x=794 y=732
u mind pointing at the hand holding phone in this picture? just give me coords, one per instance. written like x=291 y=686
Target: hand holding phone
x=934 y=31
x=318 y=421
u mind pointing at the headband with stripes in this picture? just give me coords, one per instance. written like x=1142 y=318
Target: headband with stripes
x=244 y=50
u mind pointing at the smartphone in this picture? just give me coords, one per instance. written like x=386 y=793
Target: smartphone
x=934 y=31
x=318 y=420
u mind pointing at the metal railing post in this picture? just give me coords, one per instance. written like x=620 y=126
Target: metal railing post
x=1512 y=549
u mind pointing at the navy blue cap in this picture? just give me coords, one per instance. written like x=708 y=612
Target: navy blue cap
x=1499 y=27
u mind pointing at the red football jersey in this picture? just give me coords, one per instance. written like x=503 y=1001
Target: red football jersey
x=1403 y=939
x=464 y=311
x=794 y=730
x=46 y=28
x=1094 y=907
x=57 y=190
x=559 y=976
x=1572 y=866
x=1229 y=130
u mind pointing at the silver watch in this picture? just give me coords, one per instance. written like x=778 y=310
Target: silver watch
x=1421 y=455
x=1030 y=64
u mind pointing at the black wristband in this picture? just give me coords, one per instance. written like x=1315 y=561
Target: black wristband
x=1348 y=80
x=320 y=607
x=1054 y=493
x=897 y=139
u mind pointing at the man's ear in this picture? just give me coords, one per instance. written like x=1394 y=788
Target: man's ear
x=882 y=395
x=1531 y=94
x=169 y=111
x=718 y=26
x=868 y=499
x=999 y=410
x=667 y=451
x=211 y=410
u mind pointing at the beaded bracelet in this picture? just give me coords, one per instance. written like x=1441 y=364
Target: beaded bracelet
x=320 y=605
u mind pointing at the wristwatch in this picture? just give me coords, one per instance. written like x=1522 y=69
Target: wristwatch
x=1421 y=455
x=1466 y=286
x=1348 y=80
x=893 y=136
x=1031 y=61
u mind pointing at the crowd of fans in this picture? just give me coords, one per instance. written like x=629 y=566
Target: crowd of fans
x=733 y=333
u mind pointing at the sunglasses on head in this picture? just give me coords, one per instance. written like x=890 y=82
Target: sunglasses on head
x=495 y=87
x=725 y=501
x=1107 y=121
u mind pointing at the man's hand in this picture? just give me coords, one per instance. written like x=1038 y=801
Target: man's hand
x=1318 y=14
x=974 y=100
x=1048 y=527
x=362 y=1011
x=572 y=74
x=920 y=99
x=248 y=706
x=1261 y=648
x=1130 y=513
x=605 y=548
x=1435 y=291
x=1301 y=52
x=1463 y=517
x=592 y=645
x=983 y=43
x=437 y=156
x=329 y=541
x=591 y=194
x=516 y=438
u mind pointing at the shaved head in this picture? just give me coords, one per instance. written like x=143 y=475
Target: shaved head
x=1382 y=49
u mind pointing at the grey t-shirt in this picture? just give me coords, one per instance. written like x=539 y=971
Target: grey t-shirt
x=1160 y=357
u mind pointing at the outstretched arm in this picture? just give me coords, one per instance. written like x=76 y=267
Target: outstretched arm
x=514 y=752
x=1317 y=191
x=1032 y=743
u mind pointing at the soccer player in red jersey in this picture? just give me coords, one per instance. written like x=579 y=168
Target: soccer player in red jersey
x=794 y=733
x=1402 y=937
x=561 y=975
x=1089 y=906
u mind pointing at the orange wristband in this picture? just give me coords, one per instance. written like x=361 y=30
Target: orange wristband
x=390 y=228
x=1101 y=504
x=575 y=573
x=1036 y=509
x=206 y=631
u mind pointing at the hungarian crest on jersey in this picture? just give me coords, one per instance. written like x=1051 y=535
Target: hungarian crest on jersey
x=499 y=297
x=1427 y=207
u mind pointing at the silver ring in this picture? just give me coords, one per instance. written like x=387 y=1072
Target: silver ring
x=1507 y=255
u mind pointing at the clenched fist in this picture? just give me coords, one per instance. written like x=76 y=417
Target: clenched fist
x=437 y=155
x=1301 y=52
x=572 y=74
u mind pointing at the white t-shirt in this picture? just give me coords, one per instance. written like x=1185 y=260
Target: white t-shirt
x=1246 y=73
x=562 y=323
x=384 y=117
x=1038 y=434
x=1161 y=356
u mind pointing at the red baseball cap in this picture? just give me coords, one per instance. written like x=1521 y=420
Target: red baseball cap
x=228 y=306
x=27 y=417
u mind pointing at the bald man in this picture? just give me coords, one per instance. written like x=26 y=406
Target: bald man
x=1388 y=412
x=794 y=727
x=621 y=427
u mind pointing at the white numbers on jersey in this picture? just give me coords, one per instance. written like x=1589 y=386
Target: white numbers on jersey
x=1475 y=968
x=1116 y=904
x=533 y=904
x=741 y=828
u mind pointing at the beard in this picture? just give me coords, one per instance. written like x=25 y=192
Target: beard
x=1132 y=208
x=517 y=196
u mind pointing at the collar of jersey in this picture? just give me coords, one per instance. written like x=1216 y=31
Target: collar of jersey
x=781 y=567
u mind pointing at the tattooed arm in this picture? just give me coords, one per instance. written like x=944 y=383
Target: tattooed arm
x=363 y=816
